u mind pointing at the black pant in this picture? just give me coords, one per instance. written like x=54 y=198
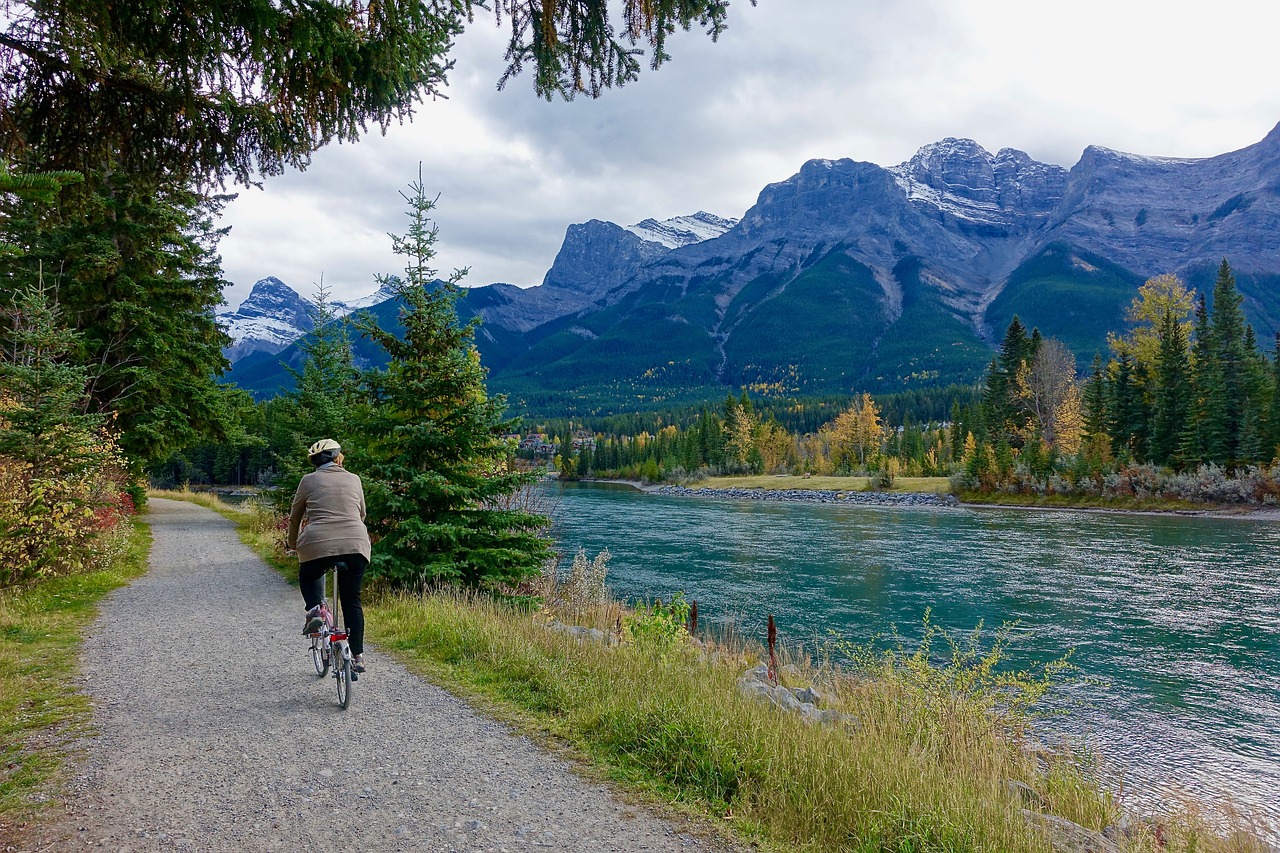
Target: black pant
x=350 y=575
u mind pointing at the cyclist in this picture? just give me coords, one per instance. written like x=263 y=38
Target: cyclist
x=331 y=499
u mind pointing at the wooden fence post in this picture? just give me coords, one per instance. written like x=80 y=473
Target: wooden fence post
x=773 y=651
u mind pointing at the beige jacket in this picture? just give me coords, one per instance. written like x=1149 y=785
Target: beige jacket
x=332 y=499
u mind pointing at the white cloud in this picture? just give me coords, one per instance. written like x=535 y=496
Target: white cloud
x=872 y=80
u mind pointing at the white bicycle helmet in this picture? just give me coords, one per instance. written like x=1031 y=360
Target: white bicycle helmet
x=324 y=450
x=323 y=445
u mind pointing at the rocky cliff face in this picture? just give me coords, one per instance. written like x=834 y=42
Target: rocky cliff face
x=887 y=273
x=1159 y=214
x=272 y=317
x=851 y=276
x=594 y=266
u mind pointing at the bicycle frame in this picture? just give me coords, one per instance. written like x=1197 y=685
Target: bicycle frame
x=330 y=649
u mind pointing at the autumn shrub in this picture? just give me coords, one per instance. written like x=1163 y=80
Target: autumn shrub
x=64 y=487
x=58 y=523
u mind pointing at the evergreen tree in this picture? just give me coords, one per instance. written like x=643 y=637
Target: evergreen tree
x=443 y=501
x=1127 y=421
x=1224 y=392
x=958 y=430
x=42 y=419
x=1003 y=399
x=1097 y=415
x=1192 y=448
x=1271 y=435
x=1172 y=391
x=207 y=89
x=323 y=401
x=137 y=276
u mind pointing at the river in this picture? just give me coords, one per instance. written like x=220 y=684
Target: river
x=1174 y=620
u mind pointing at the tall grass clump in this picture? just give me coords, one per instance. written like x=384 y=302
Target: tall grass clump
x=675 y=724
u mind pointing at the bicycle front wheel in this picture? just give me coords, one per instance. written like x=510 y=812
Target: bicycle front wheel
x=342 y=674
x=319 y=656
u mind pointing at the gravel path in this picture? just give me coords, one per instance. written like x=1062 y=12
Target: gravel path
x=214 y=733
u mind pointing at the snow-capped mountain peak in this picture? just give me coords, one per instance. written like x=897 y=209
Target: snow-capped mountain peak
x=959 y=178
x=274 y=315
x=382 y=294
x=682 y=230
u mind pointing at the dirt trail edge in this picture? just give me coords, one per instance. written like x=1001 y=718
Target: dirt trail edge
x=214 y=733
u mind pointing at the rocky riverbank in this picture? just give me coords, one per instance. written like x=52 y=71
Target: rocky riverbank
x=815 y=496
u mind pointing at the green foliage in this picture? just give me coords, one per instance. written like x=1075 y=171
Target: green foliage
x=323 y=402
x=444 y=506
x=137 y=276
x=61 y=474
x=42 y=423
x=661 y=627
x=218 y=89
x=41 y=188
x=575 y=47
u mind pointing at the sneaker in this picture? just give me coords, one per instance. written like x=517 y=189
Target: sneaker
x=357 y=663
x=314 y=622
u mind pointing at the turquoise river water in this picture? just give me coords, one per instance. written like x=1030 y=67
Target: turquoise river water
x=1174 y=620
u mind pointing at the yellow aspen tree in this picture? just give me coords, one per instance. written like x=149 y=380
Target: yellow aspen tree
x=868 y=431
x=1068 y=422
x=777 y=447
x=1156 y=297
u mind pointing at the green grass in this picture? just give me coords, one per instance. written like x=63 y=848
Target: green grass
x=41 y=711
x=925 y=768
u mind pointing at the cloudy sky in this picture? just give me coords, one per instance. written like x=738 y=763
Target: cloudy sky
x=790 y=80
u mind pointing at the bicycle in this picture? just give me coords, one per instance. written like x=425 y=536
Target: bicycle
x=329 y=646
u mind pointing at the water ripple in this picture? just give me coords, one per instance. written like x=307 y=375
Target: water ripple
x=1175 y=621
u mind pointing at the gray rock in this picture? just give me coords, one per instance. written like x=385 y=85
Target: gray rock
x=754 y=689
x=808 y=695
x=1069 y=837
x=783 y=698
x=1025 y=793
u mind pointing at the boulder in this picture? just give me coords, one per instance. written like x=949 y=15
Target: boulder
x=1069 y=837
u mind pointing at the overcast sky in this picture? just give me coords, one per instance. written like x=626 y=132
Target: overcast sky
x=789 y=81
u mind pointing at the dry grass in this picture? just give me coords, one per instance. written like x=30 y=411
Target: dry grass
x=931 y=485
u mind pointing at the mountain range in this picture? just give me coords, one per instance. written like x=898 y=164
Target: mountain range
x=850 y=276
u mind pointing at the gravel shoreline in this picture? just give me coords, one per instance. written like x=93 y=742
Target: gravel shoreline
x=815 y=496
x=214 y=734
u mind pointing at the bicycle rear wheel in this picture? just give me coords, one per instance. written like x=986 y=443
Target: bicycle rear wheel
x=342 y=674
x=319 y=656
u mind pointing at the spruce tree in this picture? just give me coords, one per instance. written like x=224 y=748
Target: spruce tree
x=1096 y=409
x=1224 y=392
x=42 y=393
x=1125 y=409
x=1172 y=391
x=323 y=401
x=137 y=275
x=1004 y=407
x=443 y=500
x=1192 y=447
x=1271 y=434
